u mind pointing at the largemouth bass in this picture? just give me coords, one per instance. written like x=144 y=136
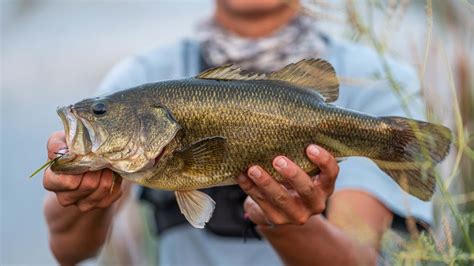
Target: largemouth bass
x=189 y=134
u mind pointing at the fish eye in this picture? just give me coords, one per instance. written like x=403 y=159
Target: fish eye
x=99 y=108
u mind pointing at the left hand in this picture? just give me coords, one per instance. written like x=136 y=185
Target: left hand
x=271 y=203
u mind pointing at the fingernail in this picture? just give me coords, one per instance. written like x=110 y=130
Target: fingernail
x=280 y=162
x=313 y=150
x=241 y=178
x=254 y=172
x=316 y=180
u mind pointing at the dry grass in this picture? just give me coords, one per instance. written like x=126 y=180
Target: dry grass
x=444 y=59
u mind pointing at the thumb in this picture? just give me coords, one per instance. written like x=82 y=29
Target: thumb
x=56 y=142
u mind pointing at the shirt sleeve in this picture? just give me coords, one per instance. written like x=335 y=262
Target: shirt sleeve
x=126 y=74
x=144 y=67
x=374 y=95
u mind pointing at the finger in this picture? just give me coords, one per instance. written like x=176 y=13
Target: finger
x=102 y=191
x=108 y=201
x=299 y=180
x=108 y=191
x=249 y=187
x=264 y=202
x=254 y=212
x=90 y=182
x=114 y=194
x=326 y=162
x=59 y=182
x=56 y=142
x=273 y=191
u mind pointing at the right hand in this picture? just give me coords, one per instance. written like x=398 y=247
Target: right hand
x=87 y=191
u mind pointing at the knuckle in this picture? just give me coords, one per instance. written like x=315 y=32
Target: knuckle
x=84 y=207
x=89 y=184
x=265 y=181
x=308 y=191
x=277 y=220
x=258 y=197
x=302 y=219
x=325 y=159
x=71 y=184
x=281 y=199
x=65 y=200
x=319 y=207
x=47 y=181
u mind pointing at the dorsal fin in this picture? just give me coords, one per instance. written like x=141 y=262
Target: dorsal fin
x=316 y=74
x=229 y=72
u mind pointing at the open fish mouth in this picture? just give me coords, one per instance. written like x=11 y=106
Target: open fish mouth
x=77 y=135
x=76 y=158
x=69 y=123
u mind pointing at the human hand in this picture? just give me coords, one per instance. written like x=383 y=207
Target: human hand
x=98 y=189
x=271 y=203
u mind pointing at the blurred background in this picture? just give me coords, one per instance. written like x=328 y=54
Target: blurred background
x=55 y=52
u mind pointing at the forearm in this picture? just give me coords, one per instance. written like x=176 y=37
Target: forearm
x=74 y=235
x=318 y=242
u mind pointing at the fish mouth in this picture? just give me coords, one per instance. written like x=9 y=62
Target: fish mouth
x=69 y=121
x=77 y=135
x=76 y=158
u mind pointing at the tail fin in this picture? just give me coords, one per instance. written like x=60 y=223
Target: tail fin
x=418 y=146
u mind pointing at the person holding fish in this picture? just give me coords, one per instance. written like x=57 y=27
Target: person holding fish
x=277 y=129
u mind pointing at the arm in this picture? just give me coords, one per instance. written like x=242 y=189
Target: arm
x=338 y=240
x=80 y=210
x=289 y=217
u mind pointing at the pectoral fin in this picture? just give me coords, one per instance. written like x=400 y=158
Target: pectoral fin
x=196 y=206
x=204 y=156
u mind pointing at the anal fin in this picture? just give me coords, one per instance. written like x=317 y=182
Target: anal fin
x=196 y=206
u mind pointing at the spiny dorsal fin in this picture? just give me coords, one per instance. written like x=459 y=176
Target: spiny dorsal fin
x=316 y=74
x=229 y=72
